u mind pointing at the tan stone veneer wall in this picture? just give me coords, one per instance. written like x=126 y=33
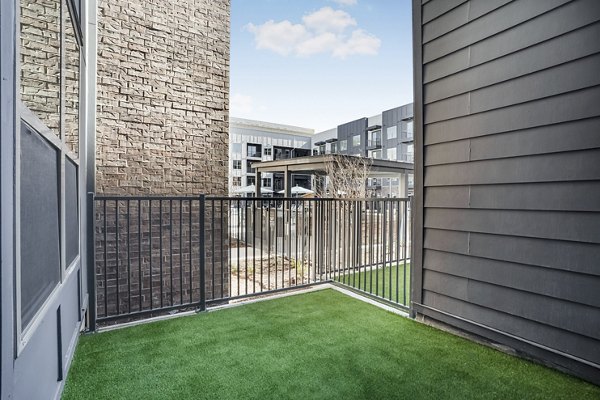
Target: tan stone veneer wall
x=163 y=96
x=162 y=129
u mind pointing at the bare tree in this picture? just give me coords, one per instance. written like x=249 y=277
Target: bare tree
x=346 y=176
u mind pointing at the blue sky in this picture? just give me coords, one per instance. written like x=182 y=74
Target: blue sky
x=319 y=63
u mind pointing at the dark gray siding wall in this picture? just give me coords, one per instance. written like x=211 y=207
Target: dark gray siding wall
x=507 y=104
x=348 y=130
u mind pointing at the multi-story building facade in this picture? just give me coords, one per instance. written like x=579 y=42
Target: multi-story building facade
x=385 y=136
x=252 y=141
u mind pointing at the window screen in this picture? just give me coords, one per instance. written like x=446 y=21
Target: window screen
x=71 y=211
x=40 y=240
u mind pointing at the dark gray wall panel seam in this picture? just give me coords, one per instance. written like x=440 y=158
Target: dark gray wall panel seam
x=577 y=44
x=461 y=15
x=560 y=21
x=568 y=342
x=563 y=225
x=557 y=138
x=559 y=284
x=572 y=317
x=502 y=19
x=564 y=78
x=571 y=106
x=444 y=6
x=546 y=253
x=531 y=196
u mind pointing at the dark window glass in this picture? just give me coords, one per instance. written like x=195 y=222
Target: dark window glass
x=254 y=150
x=71 y=211
x=40 y=239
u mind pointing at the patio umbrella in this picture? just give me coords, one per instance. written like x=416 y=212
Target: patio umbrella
x=252 y=189
x=298 y=190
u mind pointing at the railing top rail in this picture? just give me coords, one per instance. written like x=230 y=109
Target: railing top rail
x=138 y=197
x=235 y=198
x=308 y=199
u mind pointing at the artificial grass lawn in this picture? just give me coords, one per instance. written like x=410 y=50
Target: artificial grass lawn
x=377 y=282
x=318 y=345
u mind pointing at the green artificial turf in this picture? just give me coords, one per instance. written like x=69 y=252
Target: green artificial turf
x=378 y=282
x=320 y=345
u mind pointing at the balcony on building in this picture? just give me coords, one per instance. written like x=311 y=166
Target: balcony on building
x=254 y=150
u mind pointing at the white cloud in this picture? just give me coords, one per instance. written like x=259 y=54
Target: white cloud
x=360 y=42
x=280 y=37
x=345 y=2
x=324 y=31
x=241 y=104
x=328 y=20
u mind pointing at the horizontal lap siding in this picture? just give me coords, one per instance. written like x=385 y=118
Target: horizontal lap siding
x=511 y=168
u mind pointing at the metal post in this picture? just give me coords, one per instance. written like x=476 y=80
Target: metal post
x=202 y=255
x=91 y=261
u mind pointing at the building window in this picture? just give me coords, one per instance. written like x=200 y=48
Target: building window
x=249 y=168
x=322 y=149
x=266 y=182
x=392 y=132
x=237 y=181
x=315 y=152
x=268 y=151
x=410 y=151
x=254 y=150
x=343 y=145
x=392 y=154
x=250 y=180
x=375 y=154
x=333 y=148
x=375 y=138
x=237 y=164
x=355 y=140
x=409 y=129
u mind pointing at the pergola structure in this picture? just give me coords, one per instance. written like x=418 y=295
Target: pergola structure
x=317 y=165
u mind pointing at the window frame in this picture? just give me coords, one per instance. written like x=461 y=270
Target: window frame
x=23 y=334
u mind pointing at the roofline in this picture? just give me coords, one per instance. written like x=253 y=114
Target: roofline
x=271 y=127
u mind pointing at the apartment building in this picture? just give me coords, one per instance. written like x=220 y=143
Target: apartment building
x=385 y=136
x=251 y=141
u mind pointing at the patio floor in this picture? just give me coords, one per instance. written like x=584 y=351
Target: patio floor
x=322 y=344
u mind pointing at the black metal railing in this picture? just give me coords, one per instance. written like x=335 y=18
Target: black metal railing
x=159 y=254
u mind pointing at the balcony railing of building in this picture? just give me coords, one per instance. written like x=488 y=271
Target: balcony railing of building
x=155 y=255
x=374 y=143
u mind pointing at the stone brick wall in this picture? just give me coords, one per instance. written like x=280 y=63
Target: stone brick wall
x=163 y=97
x=162 y=129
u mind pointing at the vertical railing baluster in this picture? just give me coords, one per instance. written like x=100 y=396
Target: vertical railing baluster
x=262 y=231
x=160 y=249
x=105 y=260
x=190 y=230
x=180 y=251
x=405 y=216
x=212 y=243
x=128 y=259
x=117 y=254
x=171 y=249
x=150 y=252
x=254 y=203
x=222 y=234
x=140 y=279
x=202 y=254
